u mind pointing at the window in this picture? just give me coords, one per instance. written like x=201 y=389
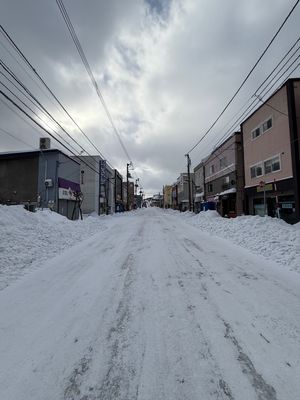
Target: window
x=268 y=166
x=262 y=128
x=226 y=179
x=255 y=133
x=267 y=125
x=256 y=170
x=272 y=165
x=212 y=169
x=223 y=162
x=210 y=187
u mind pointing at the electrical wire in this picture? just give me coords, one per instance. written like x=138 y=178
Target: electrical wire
x=15 y=137
x=245 y=79
x=42 y=108
x=90 y=73
x=33 y=69
x=44 y=129
x=263 y=92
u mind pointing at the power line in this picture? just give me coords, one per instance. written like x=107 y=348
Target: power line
x=44 y=129
x=263 y=92
x=25 y=59
x=41 y=107
x=33 y=112
x=266 y=79
x=90 y=73
x=246 y=78
x=228 y=147
x=15 y=137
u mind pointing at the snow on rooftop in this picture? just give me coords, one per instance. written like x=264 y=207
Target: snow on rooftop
x=228 y=191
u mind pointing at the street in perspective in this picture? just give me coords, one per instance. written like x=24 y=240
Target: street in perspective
x=149 y=200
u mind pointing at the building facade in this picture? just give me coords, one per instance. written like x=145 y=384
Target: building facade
x=119 y=201
x=97 y=180
x=184 y=189
x=89 y=182
x=199 y=186
x=43 y=178
x=271 y=155
x=167 y=191
x=224 y=177
x=175 y=196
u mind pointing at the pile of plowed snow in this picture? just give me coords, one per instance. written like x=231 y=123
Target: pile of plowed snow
x=271 y=237
x=29 y=238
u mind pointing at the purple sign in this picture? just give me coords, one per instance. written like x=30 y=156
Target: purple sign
x=65 y=184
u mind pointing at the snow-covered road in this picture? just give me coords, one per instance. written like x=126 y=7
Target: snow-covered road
x=152 y=308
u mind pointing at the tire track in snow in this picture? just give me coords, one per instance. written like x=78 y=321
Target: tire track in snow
x=116 y=383
x=122 y=372
x=217 y=387
x=263 y=390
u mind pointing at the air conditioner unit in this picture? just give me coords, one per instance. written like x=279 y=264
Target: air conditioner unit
x=48 y=183
x=44 y=143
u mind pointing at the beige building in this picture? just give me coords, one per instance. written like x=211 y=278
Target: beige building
x=167 y=190
x=271 y=155
x=224 y=178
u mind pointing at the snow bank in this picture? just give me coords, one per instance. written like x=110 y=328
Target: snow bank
x=29 y=238
x=271 y=237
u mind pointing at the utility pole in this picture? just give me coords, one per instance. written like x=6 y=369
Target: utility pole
x=136 y=185
x=127 y=185
x=115 y=190
x=189 y=180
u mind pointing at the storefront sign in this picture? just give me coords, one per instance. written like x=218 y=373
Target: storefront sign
x=287 y=205
x=67 y=190
x=267 y=188
x=66 y=194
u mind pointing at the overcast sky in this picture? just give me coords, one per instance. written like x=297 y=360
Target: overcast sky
x=166 y=68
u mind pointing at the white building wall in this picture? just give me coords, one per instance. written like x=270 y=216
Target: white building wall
x=89 y=184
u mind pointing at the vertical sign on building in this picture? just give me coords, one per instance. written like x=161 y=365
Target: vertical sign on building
x=103 y=173
x=102 y=182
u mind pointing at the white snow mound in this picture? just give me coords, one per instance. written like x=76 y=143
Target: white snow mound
x=273 y=238
x=27 y=238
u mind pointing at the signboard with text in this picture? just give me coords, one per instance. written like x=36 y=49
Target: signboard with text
x=103 y=171
x=267 y=187
x=66 y=194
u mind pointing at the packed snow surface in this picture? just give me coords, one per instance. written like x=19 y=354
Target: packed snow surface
x=144 y=306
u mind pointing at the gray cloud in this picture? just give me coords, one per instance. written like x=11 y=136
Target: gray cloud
x=166 y=69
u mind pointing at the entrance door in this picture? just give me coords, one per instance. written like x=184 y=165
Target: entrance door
x=271 y=206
